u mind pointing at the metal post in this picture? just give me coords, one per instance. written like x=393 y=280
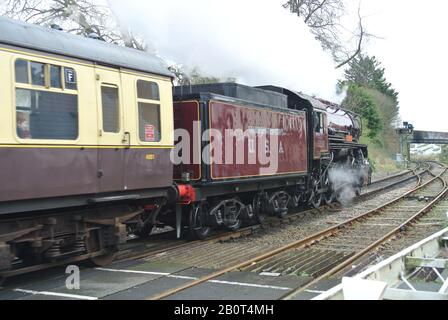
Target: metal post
x=178 y=220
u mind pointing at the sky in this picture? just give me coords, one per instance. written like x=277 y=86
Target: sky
x=414 y=51
x=255 y=41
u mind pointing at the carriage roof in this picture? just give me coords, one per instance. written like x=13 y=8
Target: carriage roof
x=20 y=34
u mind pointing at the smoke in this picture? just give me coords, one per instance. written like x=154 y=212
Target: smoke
x=344 y=180
x=258 y=42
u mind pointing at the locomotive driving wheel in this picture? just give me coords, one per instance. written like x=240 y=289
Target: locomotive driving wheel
x=198 y=221
x=259 y=205
x=329 y=196
x=93 y=245
x=235 y=223
x=316 y=197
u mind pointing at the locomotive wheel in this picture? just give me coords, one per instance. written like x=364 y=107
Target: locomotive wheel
x=329 y=197
x=198 y=223
x=260 y=213
x=145 y=231
x=236 y=226
x=260 y=217
x=93 y=245
x=316 y=200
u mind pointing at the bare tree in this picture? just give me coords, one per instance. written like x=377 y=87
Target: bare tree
x=323 y=18
x=82 y=17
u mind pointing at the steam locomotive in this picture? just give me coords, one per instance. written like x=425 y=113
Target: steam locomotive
x=88 y=156
x=315 y=139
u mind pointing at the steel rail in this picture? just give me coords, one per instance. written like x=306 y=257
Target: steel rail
x=297 y=244
x=374 y=245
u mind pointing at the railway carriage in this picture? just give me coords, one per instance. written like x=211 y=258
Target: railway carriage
x=85 y=142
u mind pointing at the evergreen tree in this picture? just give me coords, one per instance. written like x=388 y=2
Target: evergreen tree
x=367 y=72
x=359 y=101
x=370 y=95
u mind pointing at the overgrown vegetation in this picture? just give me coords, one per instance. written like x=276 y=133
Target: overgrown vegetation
x=371 y=96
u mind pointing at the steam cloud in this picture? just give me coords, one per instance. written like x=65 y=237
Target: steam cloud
x=344 y=180
x=258 y=42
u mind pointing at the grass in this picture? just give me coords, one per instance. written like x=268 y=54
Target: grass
x=381 y=159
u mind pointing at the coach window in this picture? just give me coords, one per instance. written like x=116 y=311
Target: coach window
x=41 y=112
x=38 y=74
x=111 y=111
x=149 y=111
x=22 y=71
x=55 y=77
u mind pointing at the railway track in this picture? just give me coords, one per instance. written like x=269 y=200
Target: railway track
x=312 y=252
x=391 y=181
x=164 y=245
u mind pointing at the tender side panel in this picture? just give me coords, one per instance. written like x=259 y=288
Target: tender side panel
x=188 y=126
x=288 y=128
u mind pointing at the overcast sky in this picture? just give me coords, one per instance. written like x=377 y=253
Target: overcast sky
x=413 y=48
x=414 y=52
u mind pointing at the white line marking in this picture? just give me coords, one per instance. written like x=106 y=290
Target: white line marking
x=242 y=284
x=163 y=274
x=55 y=294
x=314 y=291
x=169 y=275
x=270 y=274
x=135 y=271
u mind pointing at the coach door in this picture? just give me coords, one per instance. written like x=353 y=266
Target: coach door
x=111 y=133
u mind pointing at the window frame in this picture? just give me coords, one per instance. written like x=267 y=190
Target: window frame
x=148 y=101
x=321 y=125
x=46 y=88
x=119 y=111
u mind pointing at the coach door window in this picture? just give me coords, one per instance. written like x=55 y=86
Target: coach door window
x=148 y=98
x=45 y=110
x=111 y=111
